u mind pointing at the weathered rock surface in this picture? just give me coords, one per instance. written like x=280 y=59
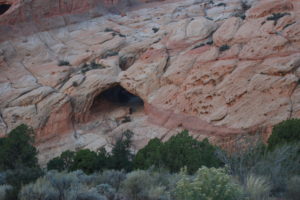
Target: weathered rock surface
x=213 y=68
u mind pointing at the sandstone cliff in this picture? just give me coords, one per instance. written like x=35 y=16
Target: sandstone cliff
x=216 y=68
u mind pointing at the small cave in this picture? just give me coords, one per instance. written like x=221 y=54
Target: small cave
x=4 y=8
x=116 y=102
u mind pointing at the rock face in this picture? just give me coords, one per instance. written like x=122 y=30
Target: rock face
x=214 y=68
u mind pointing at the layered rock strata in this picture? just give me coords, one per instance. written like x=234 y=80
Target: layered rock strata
x=216 y=68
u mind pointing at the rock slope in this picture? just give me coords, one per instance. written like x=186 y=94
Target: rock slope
x=218 y=68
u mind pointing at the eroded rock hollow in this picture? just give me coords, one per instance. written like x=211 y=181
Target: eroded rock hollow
x=82 y=72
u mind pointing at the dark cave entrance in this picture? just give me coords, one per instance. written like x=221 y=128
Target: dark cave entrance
x=116 y=98
x=4 y=8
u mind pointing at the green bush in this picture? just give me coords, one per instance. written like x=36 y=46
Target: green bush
x=56 y=164
x=257 y=188
x=17 y=150
x=183 y=150
x=285 y=132
x=85 y=160
x=179 y=151
x=90 y=161
x=149 y=155
x=121 y=156
x=293 y=192
x=207 y=184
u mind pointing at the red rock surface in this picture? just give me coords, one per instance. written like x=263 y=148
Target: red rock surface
x=219 y=71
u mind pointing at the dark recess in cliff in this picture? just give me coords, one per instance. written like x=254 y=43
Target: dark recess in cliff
x=4 y=8
x=115 y=97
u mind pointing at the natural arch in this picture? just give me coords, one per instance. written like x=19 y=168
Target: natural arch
x=4 y=8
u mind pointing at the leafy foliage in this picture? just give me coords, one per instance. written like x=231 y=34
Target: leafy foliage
x=121 y=156
x=179 y=151
x=17 y=150
x=18 y=159
x=63 y=162
x=207 y=184
x=90 y=161
x=285 y=132
x=149 y=155
x=85 y=160
x=182 y=150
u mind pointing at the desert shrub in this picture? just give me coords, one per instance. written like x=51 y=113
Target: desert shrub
x=245 y=6
x=109 y=54
x=134 y=187
x=113 y=178
x=2 y=178
x=257 y=188
x=42 y=189
x=285 y=132
x=207 y=184
x=18 y=177
x=121 y=156
x=248 y=152
x=62 y=186
x=183 y=150
x=252 y=157
x=279 y=165
x=82 y=193
x=63 y=63
x=108 y=191
x=221 y=4
x=143 y=185
x=87 y=67
x=293 y=192
x=276 y=16
x=224 y=47
x=3 y=191
x=17 y=150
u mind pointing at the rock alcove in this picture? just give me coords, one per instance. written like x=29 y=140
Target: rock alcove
x=4 y=8
x=116 y=100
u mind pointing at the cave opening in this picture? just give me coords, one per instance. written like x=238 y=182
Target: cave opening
x=116 y=98
x=4 y=8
